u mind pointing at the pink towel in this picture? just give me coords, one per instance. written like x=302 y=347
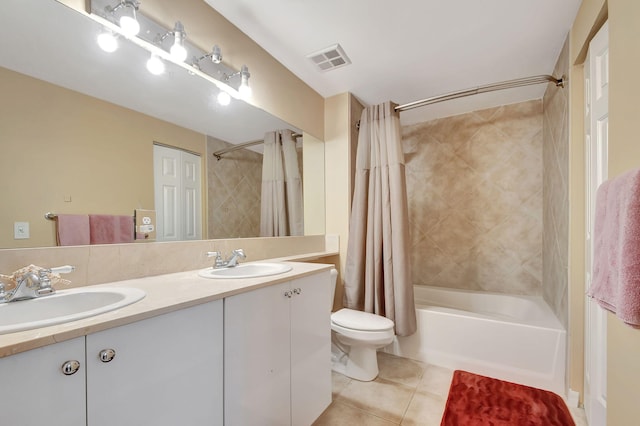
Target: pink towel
x=72 y=229
x=616 y=259
x=108 y=229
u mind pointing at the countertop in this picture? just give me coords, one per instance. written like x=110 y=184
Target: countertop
x=164 y=293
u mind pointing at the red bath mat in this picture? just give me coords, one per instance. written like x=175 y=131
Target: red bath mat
x=478 y=401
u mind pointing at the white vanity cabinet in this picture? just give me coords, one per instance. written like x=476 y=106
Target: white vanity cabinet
x=278 y=353
x=165 y=370
x=35 y=391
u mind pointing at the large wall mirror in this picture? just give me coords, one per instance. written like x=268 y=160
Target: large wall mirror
x=78 y=127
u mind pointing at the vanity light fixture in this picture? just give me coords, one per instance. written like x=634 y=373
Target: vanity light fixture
x=178 y=51
x=128 y=20
x=152 y=37
x=108 y=41
x=155 y=65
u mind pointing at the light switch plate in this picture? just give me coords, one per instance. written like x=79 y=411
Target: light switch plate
x=20 y=230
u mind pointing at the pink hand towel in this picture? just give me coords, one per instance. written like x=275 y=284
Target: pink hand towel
x=72 y=229
x=109 y=229
x=616 y=262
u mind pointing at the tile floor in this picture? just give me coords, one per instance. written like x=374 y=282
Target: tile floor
x=406 y=392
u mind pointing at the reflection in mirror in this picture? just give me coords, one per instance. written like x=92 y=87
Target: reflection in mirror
x=78 y=126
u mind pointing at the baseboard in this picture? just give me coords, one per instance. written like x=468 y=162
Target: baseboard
x=573 y=399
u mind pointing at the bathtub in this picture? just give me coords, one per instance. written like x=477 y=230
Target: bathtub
x=514 y=338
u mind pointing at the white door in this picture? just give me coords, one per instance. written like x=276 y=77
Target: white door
x=596 y=148
x=257 y=364
x=35 y=390
x=177 y=194
x=310 y=348
x=162 y=371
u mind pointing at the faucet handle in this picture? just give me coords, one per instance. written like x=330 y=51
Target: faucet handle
x=218 y=261
x=66 y=269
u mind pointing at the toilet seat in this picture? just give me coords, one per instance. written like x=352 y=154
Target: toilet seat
x=361 y=321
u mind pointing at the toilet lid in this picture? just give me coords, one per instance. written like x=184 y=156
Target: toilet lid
x=359 y=320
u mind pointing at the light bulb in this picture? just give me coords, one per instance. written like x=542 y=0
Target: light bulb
x=107 y=41
x=245 y=91
x=128 y=22
x=155 y=65
x=224 y=98
x=178 y=52
x=130 y=26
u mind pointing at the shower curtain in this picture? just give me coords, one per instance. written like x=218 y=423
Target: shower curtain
x=281 y=212
x=293 y=184
x=377 y=272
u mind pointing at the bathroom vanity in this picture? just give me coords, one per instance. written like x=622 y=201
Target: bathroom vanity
x=193 y=351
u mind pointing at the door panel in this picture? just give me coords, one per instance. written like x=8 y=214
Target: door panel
x=596 y=148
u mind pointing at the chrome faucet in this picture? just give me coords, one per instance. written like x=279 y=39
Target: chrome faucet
x=230 y=262
x=33 y=285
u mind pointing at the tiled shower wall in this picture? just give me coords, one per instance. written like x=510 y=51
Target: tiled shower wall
x=234 y=188
x=474 y=184
x=555 y=236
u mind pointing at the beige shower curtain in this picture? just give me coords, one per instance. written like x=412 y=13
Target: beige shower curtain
x=293 y=185
x=377 y=272
x=281 y=211
x=273 y=218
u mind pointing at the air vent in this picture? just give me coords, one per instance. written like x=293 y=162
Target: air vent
x=330 y=58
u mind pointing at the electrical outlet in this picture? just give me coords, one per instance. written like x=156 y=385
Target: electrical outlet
x=20 y=230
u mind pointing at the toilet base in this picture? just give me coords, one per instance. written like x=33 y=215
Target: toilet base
x=360 y=363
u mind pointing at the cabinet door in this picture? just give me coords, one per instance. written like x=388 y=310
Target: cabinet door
x=167 y=370
x=310 y=348
x=256 y=351
x=35 y=391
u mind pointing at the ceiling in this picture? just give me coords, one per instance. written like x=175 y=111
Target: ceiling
x=408 y=50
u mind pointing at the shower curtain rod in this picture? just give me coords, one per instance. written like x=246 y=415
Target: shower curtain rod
x=527 y=81
x=220 y=153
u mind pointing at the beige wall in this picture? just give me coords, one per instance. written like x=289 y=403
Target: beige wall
x=234 y=191
x=58 y=144
x=337 y=161
x=474 y=185
x=275 y=89
x=555 y=237
x=623 y=345
x=313 y=185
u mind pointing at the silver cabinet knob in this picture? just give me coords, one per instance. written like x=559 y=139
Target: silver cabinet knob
x=70 y=367
x=288 y=294
x=107 y=355
x=297 y=290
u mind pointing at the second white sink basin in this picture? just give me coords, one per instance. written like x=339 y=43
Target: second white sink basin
x=64 y=306
x=246 y=270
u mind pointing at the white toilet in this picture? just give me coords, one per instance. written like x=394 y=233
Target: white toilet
x=355 y=337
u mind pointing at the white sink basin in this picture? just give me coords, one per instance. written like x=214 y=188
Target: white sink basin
x=64 y=306
x=247 y=270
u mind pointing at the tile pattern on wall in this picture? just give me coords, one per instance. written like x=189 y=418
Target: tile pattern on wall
x=234 y=191
x=555 y=154
x=474 y=185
